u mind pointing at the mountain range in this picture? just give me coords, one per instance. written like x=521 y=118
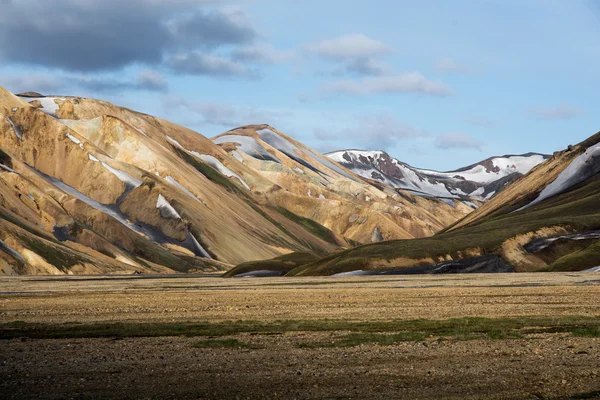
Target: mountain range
x=479 y=181
x=90 y=187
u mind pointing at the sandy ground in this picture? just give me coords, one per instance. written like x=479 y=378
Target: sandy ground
x=537 y=366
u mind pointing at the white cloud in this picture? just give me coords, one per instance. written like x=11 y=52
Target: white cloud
x=412 y=82
x=347 y=47
x=448 y=65
x=563 y=111
x=457 y=140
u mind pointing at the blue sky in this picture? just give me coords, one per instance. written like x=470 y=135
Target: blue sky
x=437 y=84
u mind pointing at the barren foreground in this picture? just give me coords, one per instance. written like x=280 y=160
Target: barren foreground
x=497 y=336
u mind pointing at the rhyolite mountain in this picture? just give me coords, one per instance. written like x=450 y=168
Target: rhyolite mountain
x=90 y=187
x=546 y=220
x=479 y=181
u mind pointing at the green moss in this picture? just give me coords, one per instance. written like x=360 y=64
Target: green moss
x=283 y=264
x=62 y=260
x=312 y=226
x=578 y=260
x=210 y=173
x=456 y=328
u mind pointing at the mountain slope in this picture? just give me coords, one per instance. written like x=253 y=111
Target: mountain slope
x=479 y=181
x=315 y=187
x=90 y=187
x=548 y=219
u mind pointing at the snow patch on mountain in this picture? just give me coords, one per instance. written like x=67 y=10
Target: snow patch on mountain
x=198 y=246
x=218 y=165
x=499 y=168
x=476 y=181
x=580 y=169
x=123 y=176
x=212 y=161
x=166 y=209
x=74 y=140
x=17 y=131
x=237 y=156
x=4 y=167
x=174 y=182
x=49 y=105
x=140 y=131
x=247 y=145
x=11 y=251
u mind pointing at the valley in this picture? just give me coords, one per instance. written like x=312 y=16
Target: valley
x=448 y=336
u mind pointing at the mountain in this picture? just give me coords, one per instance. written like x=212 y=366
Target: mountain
x=547 y=220
x=90 y=187
x=479 y=181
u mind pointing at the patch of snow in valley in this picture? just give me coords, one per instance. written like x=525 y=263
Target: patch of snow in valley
x=112 y=211
x=175 y=142
x=595 y=269
x=15 y=129
x=75 y=140
x=172 y=180
x=123 y=176
x=237 y=156
x=198 y=246
x=140 y=131
x=30 y=196
x=213 y=162
x=248 y=145
x=10 y=251
x=49 y=105
x=218 y=165
x=580 y=169
x=321 y=197
x=308 y=193
x=7 y=168
x=298 y=170
x=166 y=209
x=358 y=272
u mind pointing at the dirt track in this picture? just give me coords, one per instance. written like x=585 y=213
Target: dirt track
x=548 y=365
